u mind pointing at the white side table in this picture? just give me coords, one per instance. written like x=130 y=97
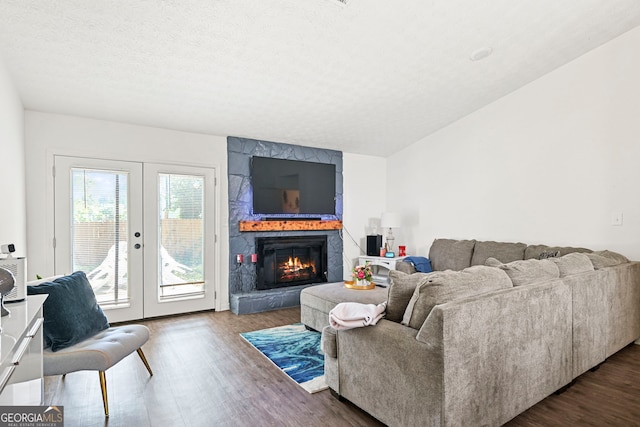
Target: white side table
x=380 y=266
x=21 y=375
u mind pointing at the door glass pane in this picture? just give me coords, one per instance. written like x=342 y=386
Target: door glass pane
x=180 y=235
x=99 y=229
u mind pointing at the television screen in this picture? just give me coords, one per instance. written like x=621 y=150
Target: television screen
x=293 y=187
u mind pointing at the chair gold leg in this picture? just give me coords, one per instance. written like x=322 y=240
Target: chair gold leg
x=144 y=360
x=103 y=386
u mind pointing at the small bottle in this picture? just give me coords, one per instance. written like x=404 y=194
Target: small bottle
x=383 y=251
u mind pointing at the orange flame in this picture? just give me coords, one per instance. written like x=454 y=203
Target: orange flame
x=294 y=267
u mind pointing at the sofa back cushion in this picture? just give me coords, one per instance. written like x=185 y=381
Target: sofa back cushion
x=573 y=263
x=613 y=255
x=449 y=254
x=440 y=287
x=405 y=267
x=527 y=271
x=400 y=292
x=502 y=251
x=602 y=259
x=535 y=251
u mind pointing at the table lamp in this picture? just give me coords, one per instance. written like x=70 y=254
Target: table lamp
x=390 y=220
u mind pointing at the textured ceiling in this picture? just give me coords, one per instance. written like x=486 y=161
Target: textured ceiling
x=369 y=77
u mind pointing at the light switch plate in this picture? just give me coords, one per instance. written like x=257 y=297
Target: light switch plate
x=616 y=218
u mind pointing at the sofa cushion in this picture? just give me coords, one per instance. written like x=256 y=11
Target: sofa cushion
x=400 y=292
x=527 y=271
x=602 y=259
x=548 y=254
x=573 y=263
x=440 y=287
x=505 y=252
x=449 y=254
x=534 y=251
x=405 y=267
x=613 y=255
x=71 y=312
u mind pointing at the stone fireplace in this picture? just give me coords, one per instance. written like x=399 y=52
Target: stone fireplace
x=245 y=295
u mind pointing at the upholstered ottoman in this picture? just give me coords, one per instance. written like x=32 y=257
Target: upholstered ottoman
x=317 y=301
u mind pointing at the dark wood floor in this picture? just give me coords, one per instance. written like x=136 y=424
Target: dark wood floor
x=206 y=375
x=610 y=396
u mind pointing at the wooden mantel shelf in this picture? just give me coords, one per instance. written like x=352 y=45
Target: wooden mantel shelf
x=286 y=225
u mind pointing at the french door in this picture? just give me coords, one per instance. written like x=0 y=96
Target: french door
x=141 y=232
x=179 y=239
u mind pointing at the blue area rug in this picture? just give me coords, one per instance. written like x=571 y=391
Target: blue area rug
x=295 y=350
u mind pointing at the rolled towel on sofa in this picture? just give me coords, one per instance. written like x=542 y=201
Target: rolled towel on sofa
x=348 y=315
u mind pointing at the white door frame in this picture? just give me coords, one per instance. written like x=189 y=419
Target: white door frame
x=221 y=293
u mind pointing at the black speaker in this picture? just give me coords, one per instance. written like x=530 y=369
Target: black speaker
x=374 y=243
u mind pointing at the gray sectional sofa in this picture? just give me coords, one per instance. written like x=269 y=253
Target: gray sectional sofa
x=494 y=330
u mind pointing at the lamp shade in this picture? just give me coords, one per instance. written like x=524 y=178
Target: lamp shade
x=390 y=220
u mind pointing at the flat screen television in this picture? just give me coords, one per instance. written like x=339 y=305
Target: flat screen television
x=292 y=187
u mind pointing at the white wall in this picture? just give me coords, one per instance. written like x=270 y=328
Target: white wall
x=548 y=163
x=13 y=213
x=364 y=188
x=364 y=178
x=50 y=134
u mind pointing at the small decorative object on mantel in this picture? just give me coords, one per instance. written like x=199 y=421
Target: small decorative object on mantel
x=362 y=278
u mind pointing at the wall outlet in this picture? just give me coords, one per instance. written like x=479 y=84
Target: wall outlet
x=616 y=218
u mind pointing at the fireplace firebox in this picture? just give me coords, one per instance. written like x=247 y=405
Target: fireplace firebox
x=290 y=261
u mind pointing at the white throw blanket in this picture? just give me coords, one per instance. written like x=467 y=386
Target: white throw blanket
x=348 y=315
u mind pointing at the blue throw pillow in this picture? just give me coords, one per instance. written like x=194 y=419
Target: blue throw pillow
x=422 y=264
x=71 y=312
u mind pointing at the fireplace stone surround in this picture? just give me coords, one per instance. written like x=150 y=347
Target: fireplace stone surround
x=244 y=298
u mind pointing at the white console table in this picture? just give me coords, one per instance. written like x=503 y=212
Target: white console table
x=380 y=266
x=21 y=376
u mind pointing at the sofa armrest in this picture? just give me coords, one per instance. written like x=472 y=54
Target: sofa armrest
x=622 y=286
x=496 y=343
x=385 y=371
x=328 y=342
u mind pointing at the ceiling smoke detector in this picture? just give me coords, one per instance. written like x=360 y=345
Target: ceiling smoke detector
x=481 y=53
